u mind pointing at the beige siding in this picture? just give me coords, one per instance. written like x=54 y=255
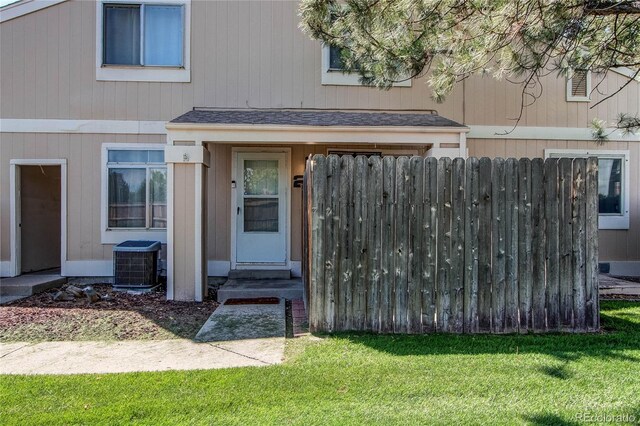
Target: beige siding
x=84 y=168
x=243 y=54
x=614 y=244
x=492 y=102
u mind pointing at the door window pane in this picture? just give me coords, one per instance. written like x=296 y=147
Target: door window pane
x=610 y=185
x=261 y=177
x=121 y=34
x=163 y=35
x=127 y=198
x=260 y=215
x=158 y=198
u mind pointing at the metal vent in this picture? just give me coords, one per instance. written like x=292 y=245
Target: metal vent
x=579 y=84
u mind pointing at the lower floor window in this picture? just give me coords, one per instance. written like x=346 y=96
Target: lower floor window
x=613 y=184
x=137 y=189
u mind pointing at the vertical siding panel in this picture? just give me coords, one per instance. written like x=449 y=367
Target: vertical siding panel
x=8 y=69
x=199 y=44
x=29 y=91
x=231 y=45
x=52 y=57
x=64 y=85
x=244 y=45
x=41 y=64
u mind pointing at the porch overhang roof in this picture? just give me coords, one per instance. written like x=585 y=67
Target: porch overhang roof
x=314 y=126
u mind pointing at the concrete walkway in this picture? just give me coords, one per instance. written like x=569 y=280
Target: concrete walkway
x=615 y=286
x=130 y=356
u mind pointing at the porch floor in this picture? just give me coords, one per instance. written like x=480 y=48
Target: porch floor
x=29 y=284
x=249 y=289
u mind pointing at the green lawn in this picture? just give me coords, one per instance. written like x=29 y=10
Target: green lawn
x=355 y=379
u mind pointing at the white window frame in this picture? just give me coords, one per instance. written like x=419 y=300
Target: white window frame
x=570 y=97
x=141 y=73
x=333 y=77
x=116 y=236
x=605 y=221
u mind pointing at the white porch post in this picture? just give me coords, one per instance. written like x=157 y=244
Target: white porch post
x=186 y=220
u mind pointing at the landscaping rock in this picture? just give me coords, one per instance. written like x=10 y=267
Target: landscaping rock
x=77 y=292
x=91 y=294
x=63 y=296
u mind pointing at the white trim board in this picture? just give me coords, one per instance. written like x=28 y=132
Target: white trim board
x=5 y=268
x=89 y=268
x=129 y=127
x=24 y=7
x=544 y=133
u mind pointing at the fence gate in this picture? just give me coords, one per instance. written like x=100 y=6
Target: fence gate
x=419 y=245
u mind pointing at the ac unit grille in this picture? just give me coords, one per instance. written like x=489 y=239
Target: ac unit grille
x=135 y=269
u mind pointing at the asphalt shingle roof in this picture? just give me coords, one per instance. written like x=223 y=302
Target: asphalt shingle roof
x=314 y=118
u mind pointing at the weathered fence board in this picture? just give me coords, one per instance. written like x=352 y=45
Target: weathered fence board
x=374 y=242
x=415 y=257
x=498 y=267
x=388 y=244
x=525 y=268
x=429 y=221
x=471 y=247
x=360 y=256
x=417 y=245
x=579 y=243
x=565 y=172
x=538 y=239
x=511 y=246
x=552 y=246
x=484 y=246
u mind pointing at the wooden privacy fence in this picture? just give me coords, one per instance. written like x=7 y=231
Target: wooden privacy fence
x=419 y=245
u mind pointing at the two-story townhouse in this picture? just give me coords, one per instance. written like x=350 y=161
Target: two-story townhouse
x=187 y=121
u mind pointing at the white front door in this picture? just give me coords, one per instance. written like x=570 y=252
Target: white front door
x=261 y=211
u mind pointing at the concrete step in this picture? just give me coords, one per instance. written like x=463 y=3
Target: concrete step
x=27 y=285
x=259 y=274
x=249 y=289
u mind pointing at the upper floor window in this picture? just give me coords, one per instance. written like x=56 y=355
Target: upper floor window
x=143 y=34
x=333 y=72
x=141 y=40
x=134 y=193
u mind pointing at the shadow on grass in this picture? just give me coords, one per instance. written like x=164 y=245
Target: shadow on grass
x=620 y=321
x=549 y=420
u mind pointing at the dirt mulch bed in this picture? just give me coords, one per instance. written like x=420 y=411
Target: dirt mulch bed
x=117 y=316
